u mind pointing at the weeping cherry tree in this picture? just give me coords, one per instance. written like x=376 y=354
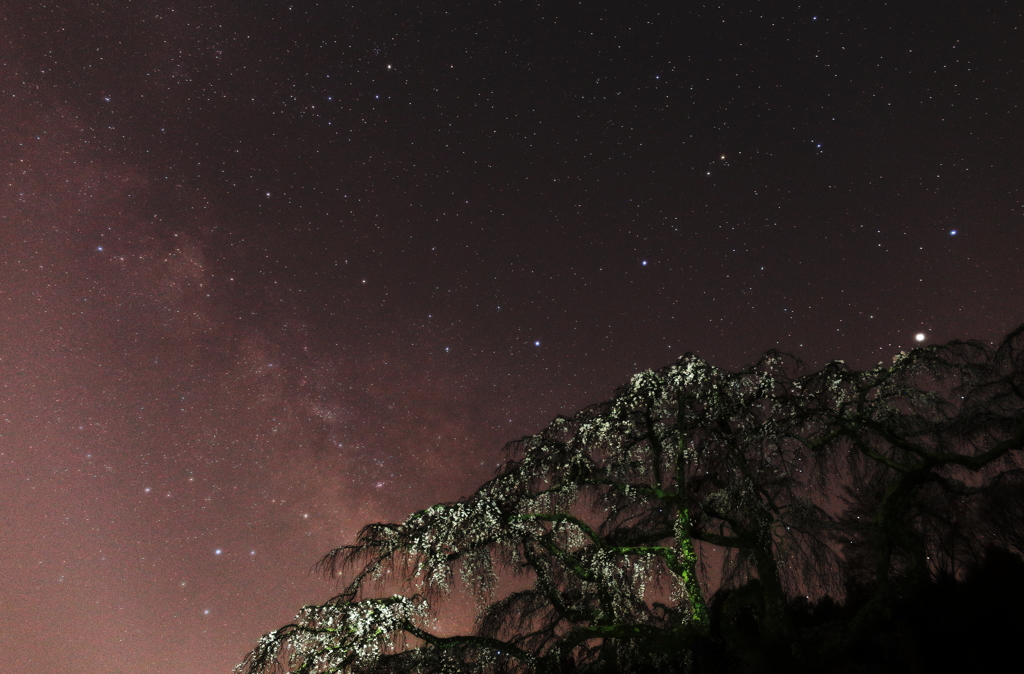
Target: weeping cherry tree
x=673 y=527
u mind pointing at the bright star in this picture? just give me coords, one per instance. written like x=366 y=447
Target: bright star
x=919 y=336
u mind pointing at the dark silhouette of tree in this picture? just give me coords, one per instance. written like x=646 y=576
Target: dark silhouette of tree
x=796 y=487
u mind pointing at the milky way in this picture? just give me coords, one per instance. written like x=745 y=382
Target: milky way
x=271 y=274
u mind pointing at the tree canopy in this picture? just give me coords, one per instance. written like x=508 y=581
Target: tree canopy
x=692 y=523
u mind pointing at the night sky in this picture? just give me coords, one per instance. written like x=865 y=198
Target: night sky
x=272 y=271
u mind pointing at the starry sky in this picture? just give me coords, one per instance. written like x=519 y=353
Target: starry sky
x=270 y=271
